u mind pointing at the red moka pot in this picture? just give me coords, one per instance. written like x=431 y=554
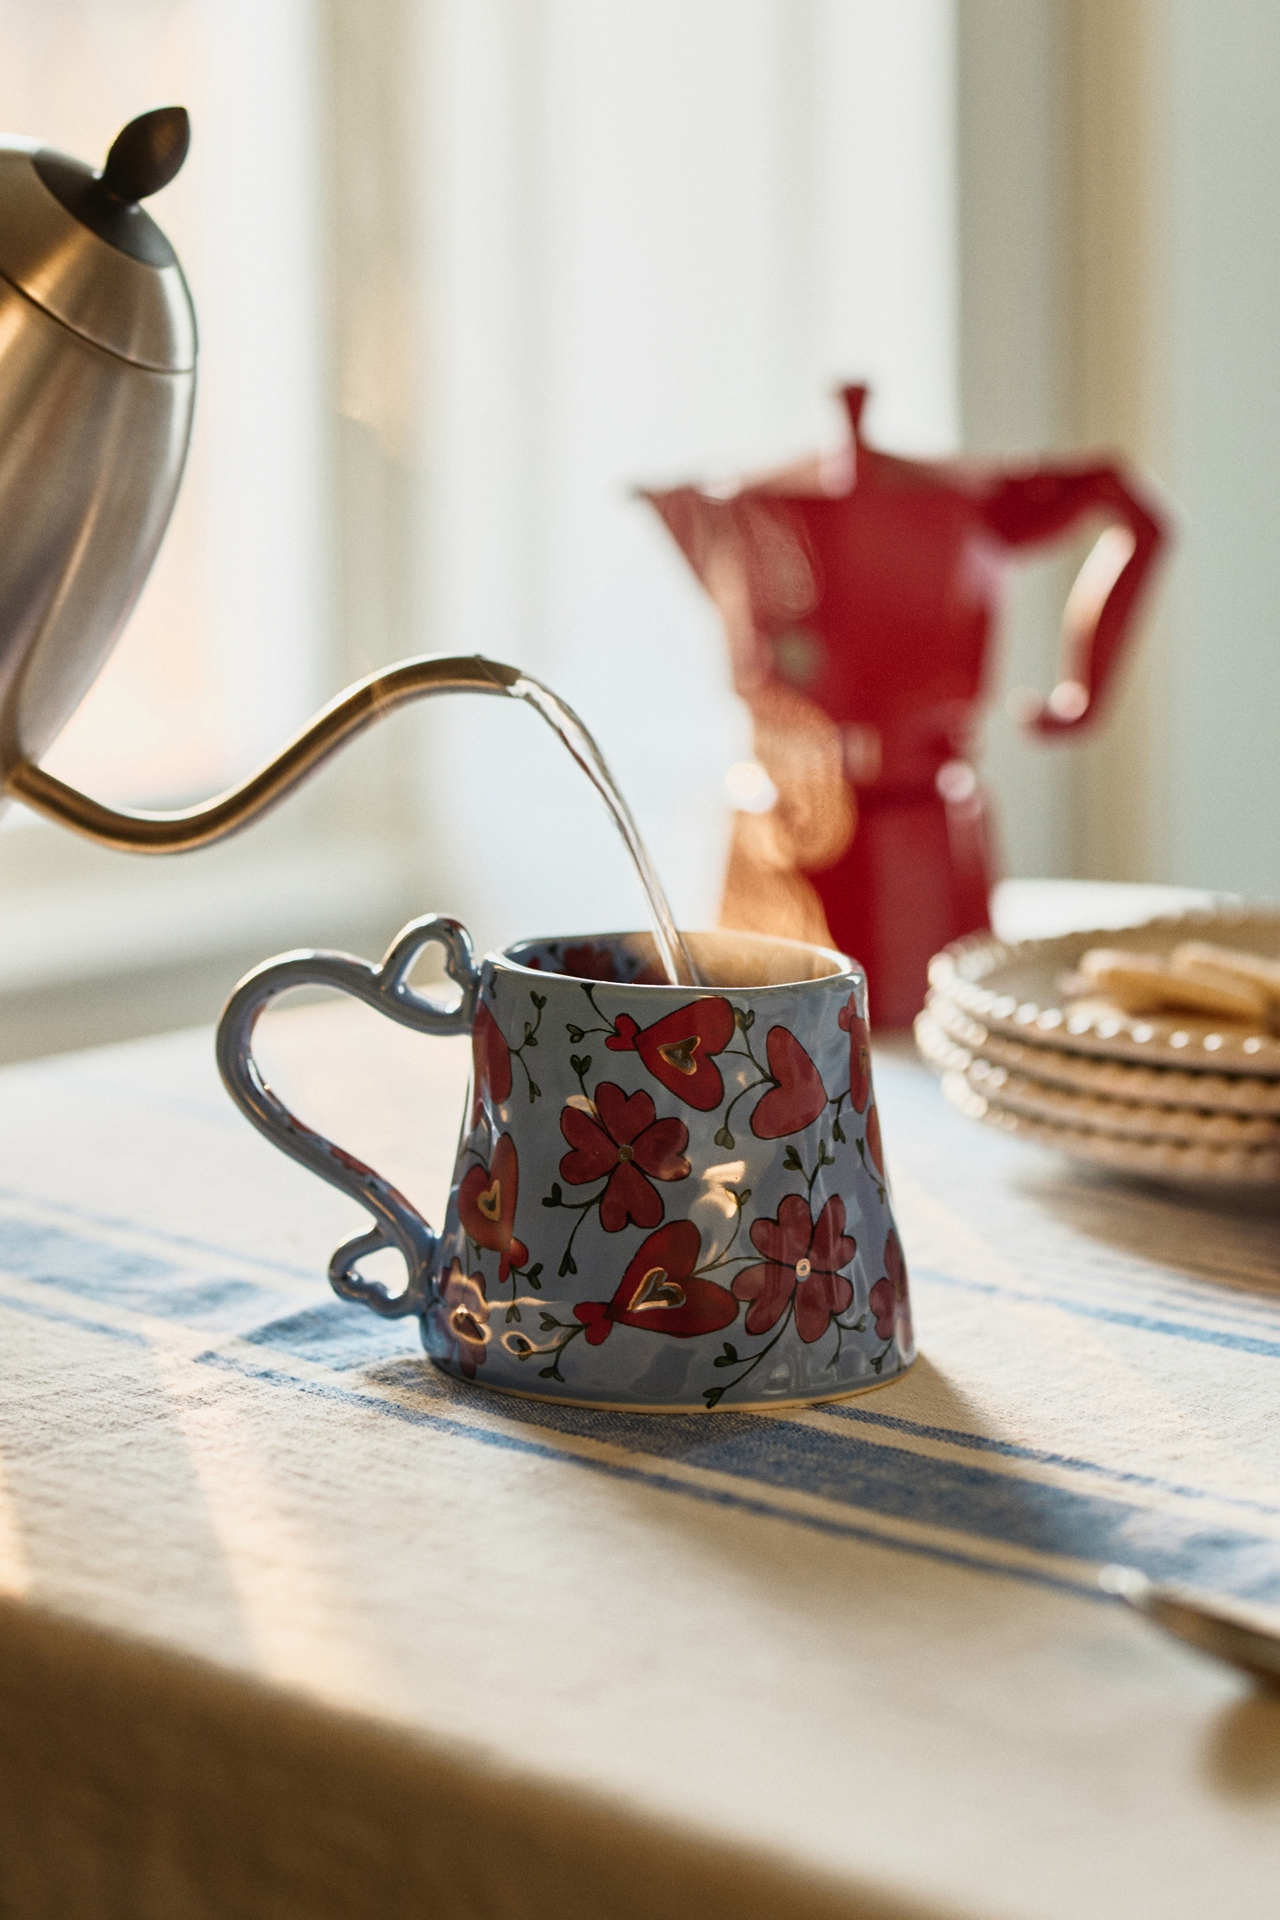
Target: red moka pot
x=859 y=594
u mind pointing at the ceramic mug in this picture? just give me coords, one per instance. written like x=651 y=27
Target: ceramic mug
x=665 y=1198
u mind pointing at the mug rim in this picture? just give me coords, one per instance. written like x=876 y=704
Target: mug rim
x=843 y=966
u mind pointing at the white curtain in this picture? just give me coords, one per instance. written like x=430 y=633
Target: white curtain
x=657 y=235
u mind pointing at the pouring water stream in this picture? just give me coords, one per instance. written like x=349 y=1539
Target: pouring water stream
x=569 y=730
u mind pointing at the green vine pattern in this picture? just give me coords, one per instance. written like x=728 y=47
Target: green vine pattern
x=565 y=1332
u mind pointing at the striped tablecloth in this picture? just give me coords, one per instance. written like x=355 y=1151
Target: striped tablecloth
x=293 y=1625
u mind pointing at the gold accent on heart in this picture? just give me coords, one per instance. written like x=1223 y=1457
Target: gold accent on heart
x=803 y=1269
x=656 y=1289
x=626 y=1153
x=679 y=1053
x=490 y=1201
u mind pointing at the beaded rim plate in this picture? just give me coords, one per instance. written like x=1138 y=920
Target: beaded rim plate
x=1155 y=1159
x=1056 y=1106
x=1015 y=989
x=1117 y=1079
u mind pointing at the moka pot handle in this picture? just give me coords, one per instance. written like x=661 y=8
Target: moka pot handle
x=1028 y=509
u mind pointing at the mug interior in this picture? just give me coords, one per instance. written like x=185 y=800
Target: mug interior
x=723 y=959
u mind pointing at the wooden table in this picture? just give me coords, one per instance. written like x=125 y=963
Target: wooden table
x=294 y=1626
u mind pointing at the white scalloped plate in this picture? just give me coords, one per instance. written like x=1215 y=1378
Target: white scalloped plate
x=1096 y=1113
x=1116 y=1079
x=1015 y=990
x=1155 y=1159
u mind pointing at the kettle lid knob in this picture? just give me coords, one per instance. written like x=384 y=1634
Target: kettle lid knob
x=81 y=245
x=144 y=157
x=147 y=154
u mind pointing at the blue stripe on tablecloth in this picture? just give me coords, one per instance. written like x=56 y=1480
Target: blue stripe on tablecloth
x=904 y=1484
x=645 y=1475
x=331 y=1334
x=123 y=1223
x=1115 y=1316
x=100 y=1270
x=81 y=1257
x=303 y=1333
x=1038 y=1456
x=773 y=1456
x=769 y=1453
x=63 y=1317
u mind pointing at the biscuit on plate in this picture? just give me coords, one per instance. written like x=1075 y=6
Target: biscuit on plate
x=1147 y=983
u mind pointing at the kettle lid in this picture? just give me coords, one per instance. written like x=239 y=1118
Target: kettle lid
x=78 y=243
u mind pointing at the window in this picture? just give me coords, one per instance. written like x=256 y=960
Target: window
x=657 y=236
x=466 y=274
x=226 y=650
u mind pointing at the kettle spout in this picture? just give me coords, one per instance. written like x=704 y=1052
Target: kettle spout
x=360 y=707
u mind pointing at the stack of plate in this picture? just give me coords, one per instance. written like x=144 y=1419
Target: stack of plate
x=1165 y=1095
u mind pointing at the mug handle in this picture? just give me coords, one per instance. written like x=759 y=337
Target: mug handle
x=386 y=988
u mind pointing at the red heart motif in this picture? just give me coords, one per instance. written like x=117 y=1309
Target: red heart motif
x=874 y=1145
x=487 y=1206
x=676 y=1049
x=799 y=1095
x=890 y=1299
x=491 y=1062
x=859 y=1053
x=660 y=1293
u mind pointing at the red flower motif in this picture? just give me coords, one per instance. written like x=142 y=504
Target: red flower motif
x=859 y=1052
x=623 y=1139
x=875 y=1146
x=889 y=1299
x=462 y=1317
x=799 y=1096
x=491 y=1062
x=676 y=1049
x=660 y=1292
x=487 y=1206
x=802 y=1257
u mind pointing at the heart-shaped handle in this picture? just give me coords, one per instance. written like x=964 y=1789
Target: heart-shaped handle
x=397 y=1223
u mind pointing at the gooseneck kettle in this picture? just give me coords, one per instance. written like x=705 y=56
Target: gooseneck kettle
x=97 y=388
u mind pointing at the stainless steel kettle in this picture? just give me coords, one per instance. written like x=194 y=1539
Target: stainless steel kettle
x=97 y=387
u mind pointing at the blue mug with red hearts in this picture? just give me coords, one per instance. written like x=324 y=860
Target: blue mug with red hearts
x=666 y=1198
